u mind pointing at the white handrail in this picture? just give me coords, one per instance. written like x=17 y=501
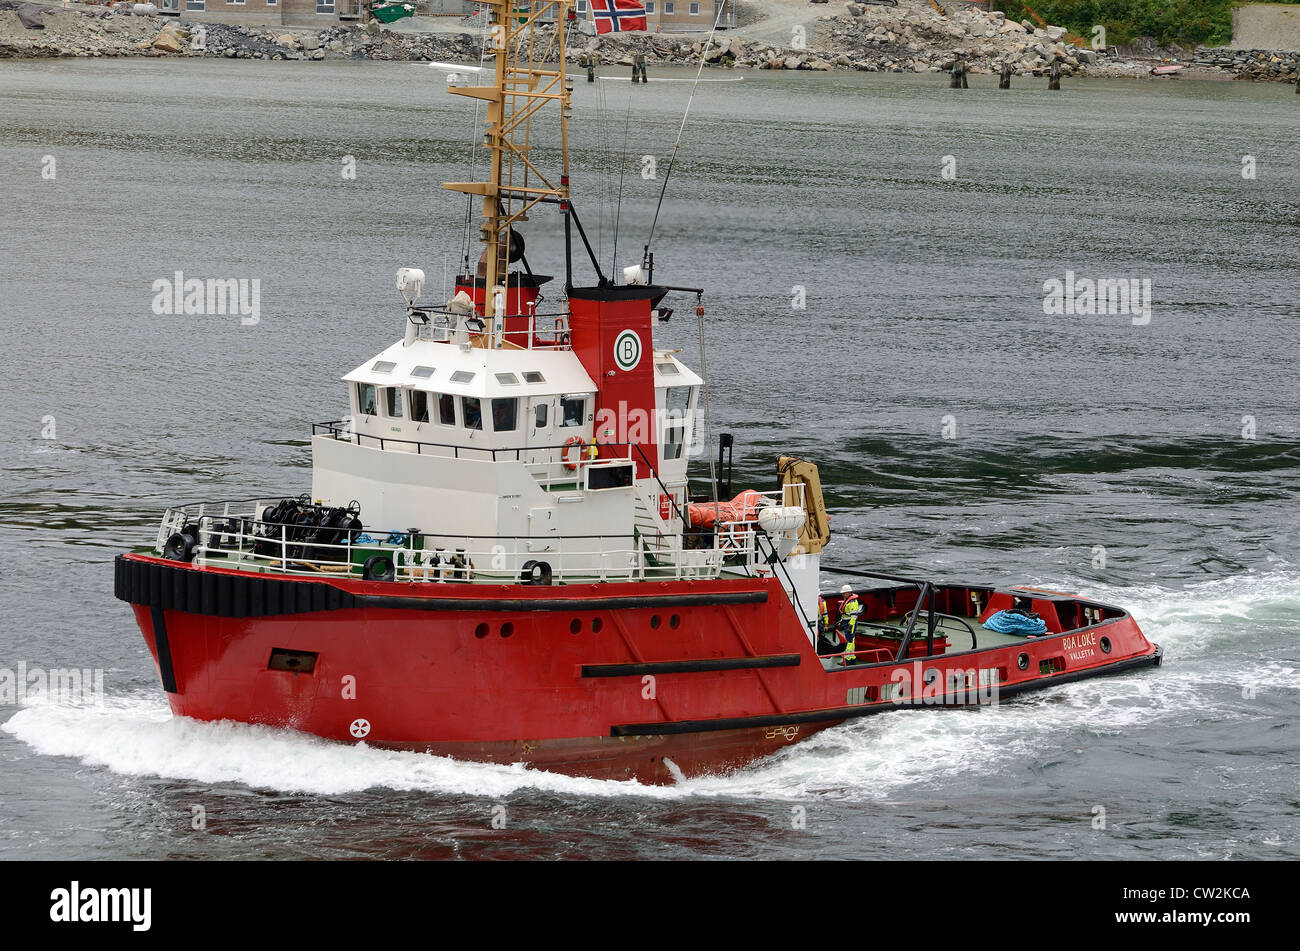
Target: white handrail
x=238 y=538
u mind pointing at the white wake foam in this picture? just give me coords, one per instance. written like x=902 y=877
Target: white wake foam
x=138 y=736
x=874 y=757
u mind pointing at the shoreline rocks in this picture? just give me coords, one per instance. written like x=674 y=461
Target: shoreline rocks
x=909 y=38
x=1251 y=64
x=99 y=33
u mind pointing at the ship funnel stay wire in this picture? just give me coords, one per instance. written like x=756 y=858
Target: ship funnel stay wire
x=672 y=159
x=622 y=169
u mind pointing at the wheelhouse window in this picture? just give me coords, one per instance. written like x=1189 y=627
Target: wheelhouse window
x=422 y=373
x=366 y=399
x=674 y=439
x=505 y=415
x=446 y=409
x=679 y=400
x=611 y=476
x=507 y=379
x=677 y=407
x=384 y=366
x=419 y=406
x=471 y=411
x=393 y=402
x=462 y=376
x=573 y=412
x=532 y=376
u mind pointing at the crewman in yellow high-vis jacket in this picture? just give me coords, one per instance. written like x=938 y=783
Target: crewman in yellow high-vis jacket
x=850 y=608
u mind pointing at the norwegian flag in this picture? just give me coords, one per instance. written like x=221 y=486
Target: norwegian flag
x=618 y=16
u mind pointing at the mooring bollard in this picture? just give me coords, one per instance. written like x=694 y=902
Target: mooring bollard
x=1054 y=75
x=1004 y=79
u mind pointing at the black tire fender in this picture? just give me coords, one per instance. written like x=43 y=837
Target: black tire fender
x=378 y=568
x=179 y=547
x=535 y=572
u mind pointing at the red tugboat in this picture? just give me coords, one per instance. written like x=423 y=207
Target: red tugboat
x=500 y=558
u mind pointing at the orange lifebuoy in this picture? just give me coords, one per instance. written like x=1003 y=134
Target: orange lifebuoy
x=569 y=444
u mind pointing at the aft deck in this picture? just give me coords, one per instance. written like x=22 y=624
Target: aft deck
x=912 y=618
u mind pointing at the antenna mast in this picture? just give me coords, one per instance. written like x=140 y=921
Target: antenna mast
x=525 y=81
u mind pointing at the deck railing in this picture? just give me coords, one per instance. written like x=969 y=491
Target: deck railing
x=242 y=534
x=235 y=535
x=570 y=464
x=343 y=431
x=545 y=331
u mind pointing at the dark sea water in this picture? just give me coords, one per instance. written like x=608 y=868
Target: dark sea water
x=1170 y=448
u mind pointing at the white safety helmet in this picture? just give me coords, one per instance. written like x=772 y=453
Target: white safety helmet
x=846 y=590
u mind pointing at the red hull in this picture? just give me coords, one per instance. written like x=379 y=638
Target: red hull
x=601 y=680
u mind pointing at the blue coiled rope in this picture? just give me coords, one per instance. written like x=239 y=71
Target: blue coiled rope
x=1006 y=622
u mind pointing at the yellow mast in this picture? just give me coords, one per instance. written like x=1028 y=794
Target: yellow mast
x=525 y=81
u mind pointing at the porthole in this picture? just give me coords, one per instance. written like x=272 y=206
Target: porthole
x=575 y=626
x=481 y=631
x=1023 y=661
x=596 y=625
x=674 y=621
x=654 y=620
x=507 y=629
x=1105 y=645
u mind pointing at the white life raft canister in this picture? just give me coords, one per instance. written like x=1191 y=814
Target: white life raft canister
x=775 y=519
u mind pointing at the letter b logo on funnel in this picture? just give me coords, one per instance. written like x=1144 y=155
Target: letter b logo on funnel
x=627 y=350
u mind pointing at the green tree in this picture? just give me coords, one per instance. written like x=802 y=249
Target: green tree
x=1187 y=22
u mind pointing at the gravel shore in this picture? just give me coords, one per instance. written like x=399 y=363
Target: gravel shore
x=911 y=37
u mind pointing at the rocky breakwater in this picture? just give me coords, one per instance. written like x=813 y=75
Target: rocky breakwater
x=1258 y=65
x=918 y=39
x=909 y=38
x=48 y=31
